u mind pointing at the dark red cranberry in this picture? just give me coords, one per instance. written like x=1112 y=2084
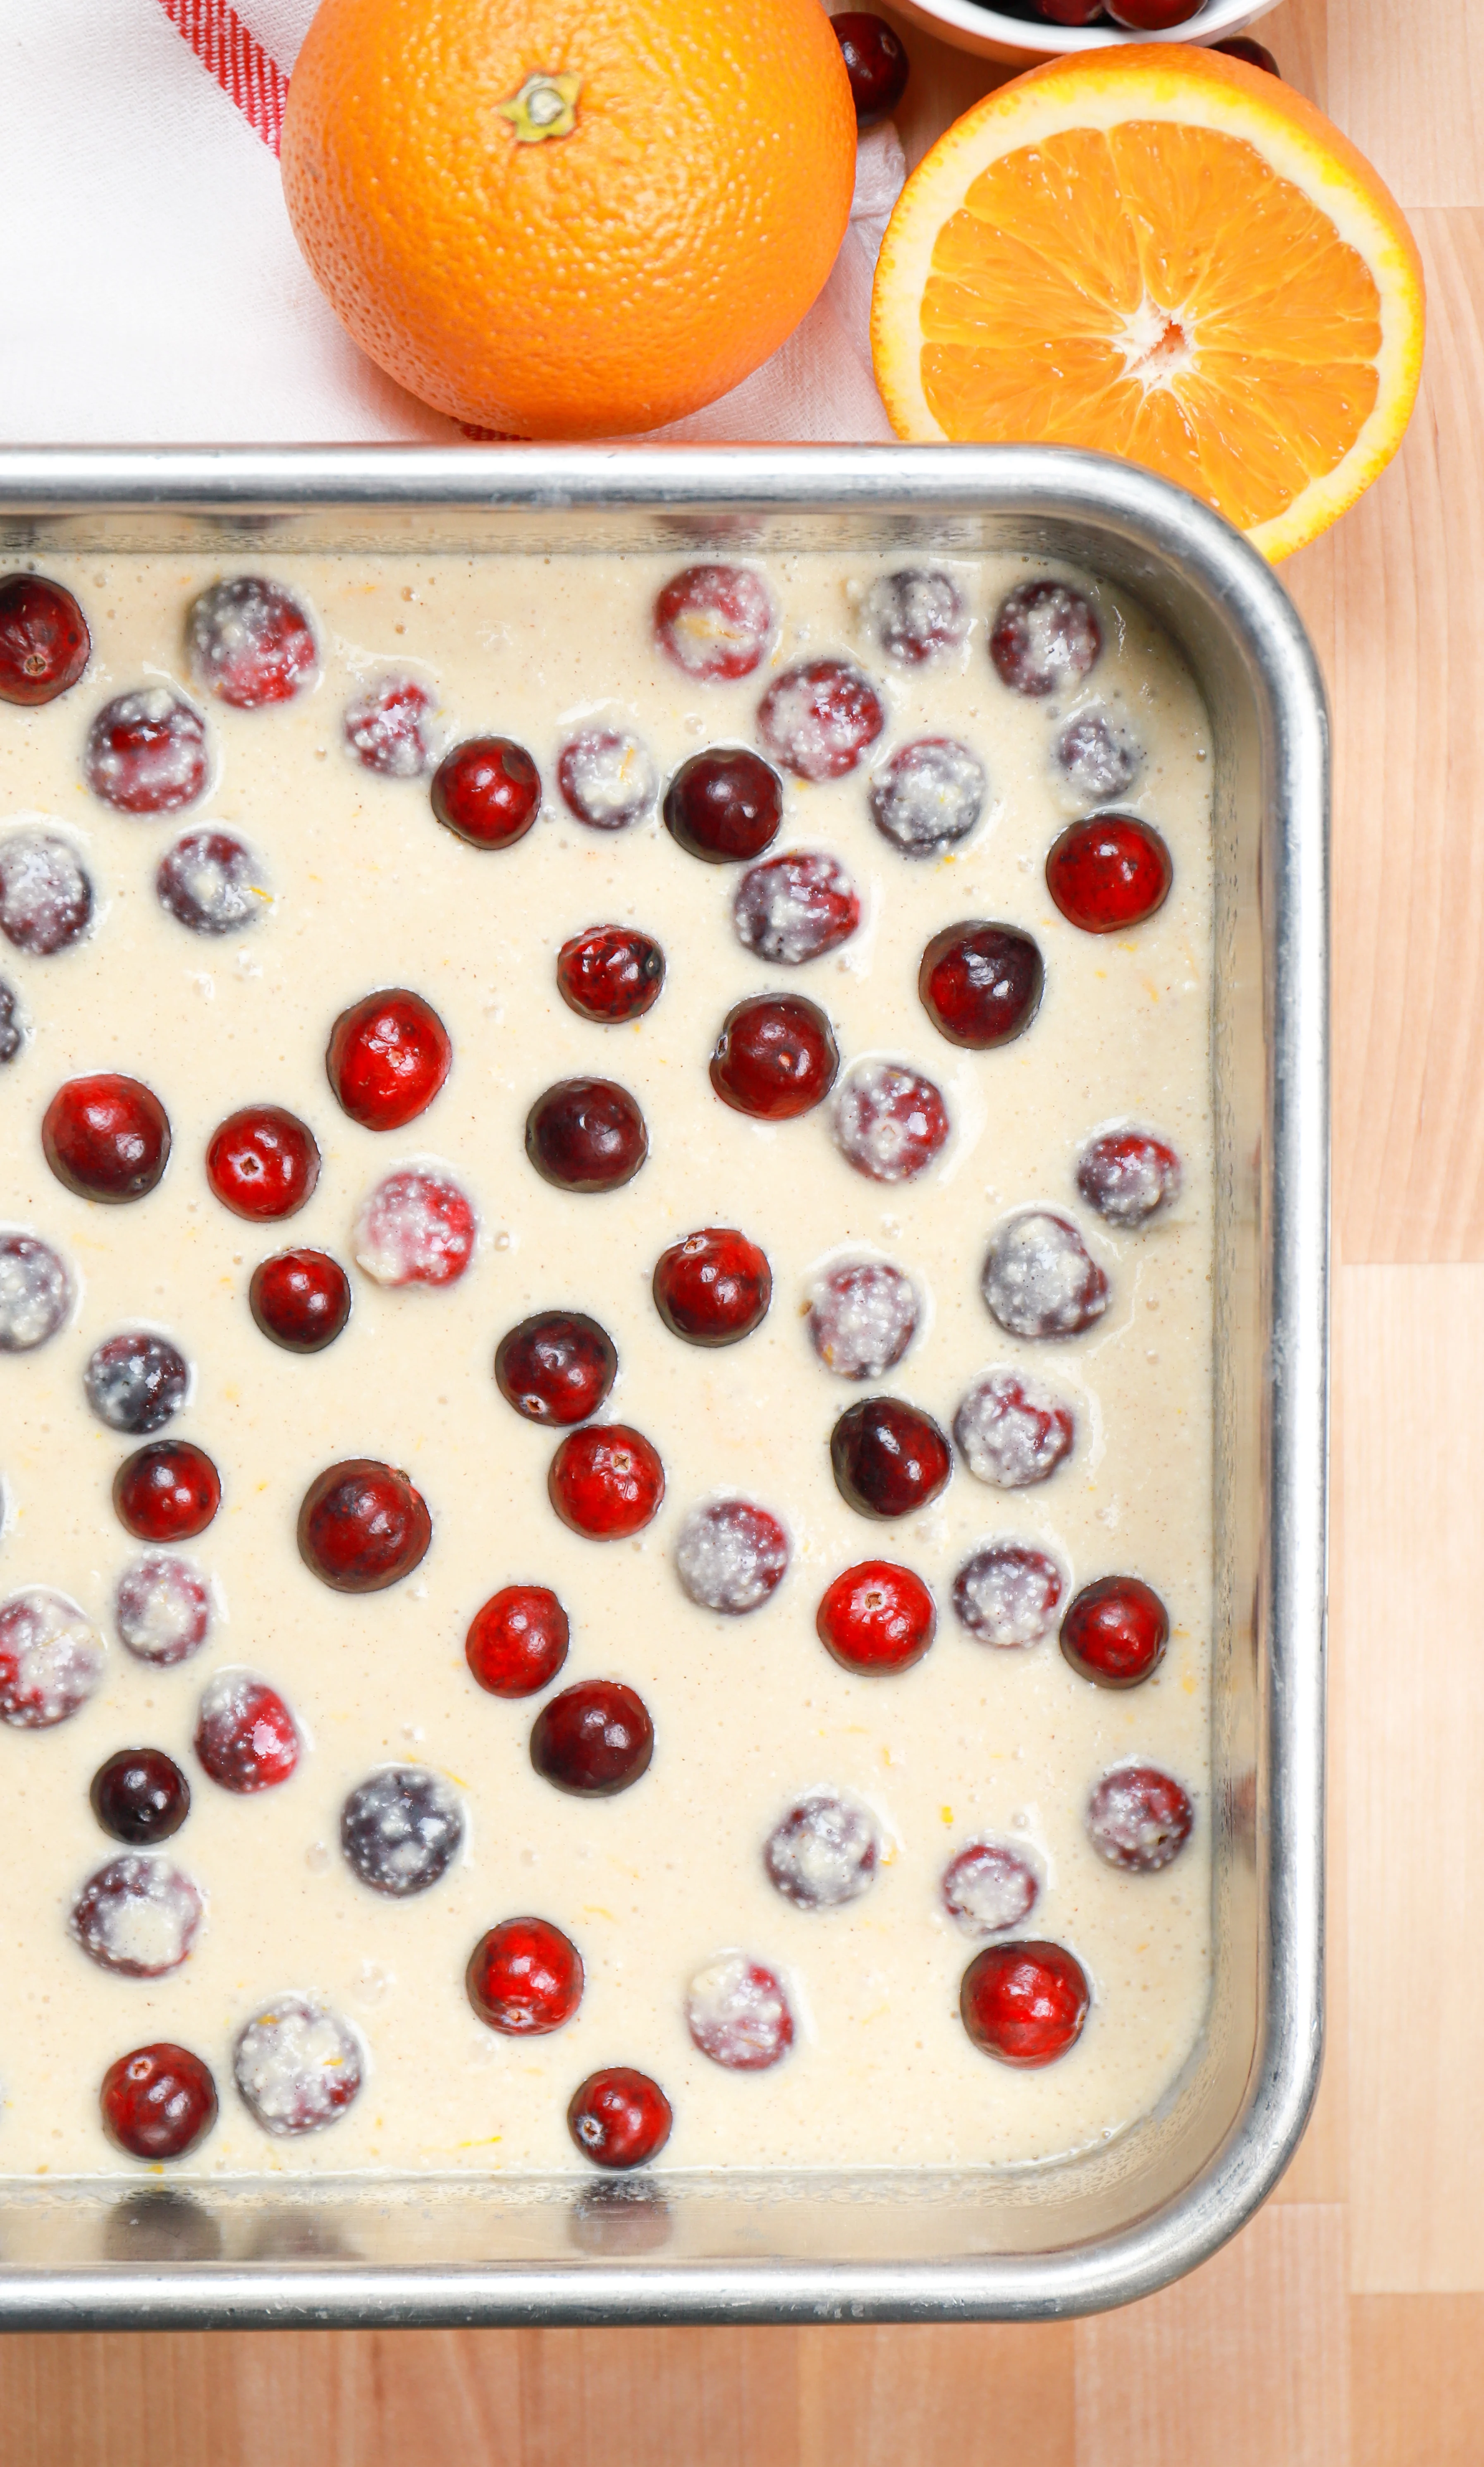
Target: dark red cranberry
x=1025 y=2002
x=44 y=642
x=517 y=1642
x=724 y=805
x=824 y=1852
x=1110 y=873
x=35 y=1292
x=606 y=1482
x=300 y=1299
x=163 y=1609
x=620 y=2117
x=796 y=906
x=488 y=792
x=1257 y=56
x=146 y=751
x=210 y=883
x=818 y=719
x=918 y=613
x=1008 y=1595
x=158 y=2101
x=1140 y=1819
x=593 y=1739
x=1115 y=1631
x=401 y=1829
x=555 y=1368
x=388 y=729
x=1038 y=1279
x=251 y=643
x=13 y=1023
x=245 y=1737
x=987 y=1888
x=611 y=973
x=51 y=1659
x=1128 y=1176
x=106 y=1137
x=732 y=1556
x=586 y=1135
x=888 y=1459
x=891 y=1121
x=524 y=1977
x=263 y=1163
x=363 y=1527
x=46 y=896
x=139 y=1795
x=297 y=2065
x=738 y=2015
x=981 y=985
x=387 y=1056
x=862 y=1318
x=415 y=1227
x=138 y=1917
x=606 y=778
x=167 y=1492
x=136 y=1382
x=716 y=621
x=1098 y=756
x=1151 y=16
x=876 y=1619
x=776 y=1058
x=876 y=64
x=1046 y=635
x=714 y=1288
x=1013 y=1430
x=929 y=796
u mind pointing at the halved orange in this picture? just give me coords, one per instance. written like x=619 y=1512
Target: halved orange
x=1167 y=255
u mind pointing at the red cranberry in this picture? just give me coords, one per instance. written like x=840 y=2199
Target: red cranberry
x=1257 y=56
x=106 y=1137
x=555 y=1368
x=1013 y=1430
x=488 y=792
x=135 y=1383
x=987 y=1888
x=818 y=719
x=738 y=2015
x=824 y=1852
x=12 y=1022
x=796 y=906
x=593 y=1740
x=586 y=1135
x=862 y=1318
x=401 y=1829
x=1008 y=1595
x=1151 y=16
x=167 y=1492
x=918 y=613
x=46 y=897
x=620 y=2117
x=606 y=1482
x=876 y=64
x=1115 y=1632
x=1025 y=2002
x=388 y=729
x=1044 y=635
x=517 y=1642
x=251 y=644
x=731 y=1556
x=716 y=621
x=876 y=1619
x=245 y=1737
x=1098 y=756
x=888 y=1459
x=981 y=985
x=1110 y=873
x=363 y=1527
x=210 y=883
x=1128 y=1176
x=415 y=1227
x=389 y=1056
x=139 y=1795
x=606 y=778
x=524 y=1977
x=35 y=1292
x=51 y=1659
x=724 y=805
x=891 y=1121
x=146 y=751
x=158 y=2101
x=1140 y=1819
x=163 y=1609
x=1038 y=1277
x=263 y=1163
x=297 y=2065
x=929 y=796
x=138 y=1917
x=44 y=642
x=611 y=974
x=301 y=1300
x=714 y=1288
x=776 y=1058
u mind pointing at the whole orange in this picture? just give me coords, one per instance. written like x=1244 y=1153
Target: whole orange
x=569 y=217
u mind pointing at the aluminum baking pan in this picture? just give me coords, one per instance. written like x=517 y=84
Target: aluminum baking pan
x=863 y=2244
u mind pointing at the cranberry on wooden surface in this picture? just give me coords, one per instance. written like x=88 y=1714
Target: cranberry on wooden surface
x=1013 y=1430
x=388 y=729
x=299 y=1300
x=825 y=1851
x=1257 y=56
x=1115 y=1631
x=263 y=1163
x=716 y=621
x=139 y=1795
x=44 y=641
x=776 y=1058
x=13 y=1023
x=414 y=1227
x=739 y=2014
x=606 y=778
x=245 y=1736
x=611 y=974
x=888 y=1459
x=988 y=1888
x=167 y=1492
x=620 y=2117
x=1129 y=1176
x=106 y=1137
x=146 y=751
x=981 y=985
x=46 y=895
x=1046 y=635
x=517 y=1640
x=724 y=805
x=136 y=1382
x=918 y=613
x=401 y=1829
x=1008 y=1595
x=557 y=1367
x=387 y=1056
x=818 y=719
x=796 y=906
x=163 y=1609
x=363 y=1526
x=1098 y=756
x=1109 y=873
x=297 y=2065
x=51 y=1658
x=158 y=2101
x=1025 y=2002
x=714 y=1288
x=138 y=1917
x=488 y=792
x=524 y=1977
x=876 y=1619
x=586 y=1135
x=929 y=796
x=1140 y=1819
x=731 y=1556
x=1039 y=1278
x=251 y=643
x=863 y=1316
x=212 y=883
x=35 y=1292
x=889 y=1121
x=593 y=1740
x=606 y=1480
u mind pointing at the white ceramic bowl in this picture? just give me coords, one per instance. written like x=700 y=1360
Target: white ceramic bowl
x=1022 y=42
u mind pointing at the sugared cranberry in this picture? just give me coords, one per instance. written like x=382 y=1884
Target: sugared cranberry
x=146 y=751
x=987 y=1888
x=388 y=729
x=301 y=1300
x=611 y=973
x=1140 y=1819
x=263 y=1163
x=363 y=1527
x=163 y=1609
x=555 y=1368
x=139 y=1795
x=13 y=1023
x=1110 y=873
x=620 y=2117
x=138 y=1917
x=1008 y=1595
x=1025 y=2002
x=1115 y=1631
x=818 y=719
x=251 y=643
x=488 y=792
x=35 y=1292
x=1151 y=16
x=824 y=1852
x=876 y=1619
x=51 y=1658
x=297 y=2065
x=889 y=1121
x=714 y=1288
x=981 y=985
x=387 y=1060
x=724 y=805
x=212 y=883
x=929 y=796
x=245 y=1737
x=1128 y=1176
x=517 y=1642
x=738 y=2015
x=1044 y=635
x=876 y=64
x=46 y=896
x=862 y=1318
x=593 y=1739
x=158 y=2101
x=414 y=1227
x=776 y=1058
x=606 y=778
x=796 y=907
x=731 y=1556
x=167 y=1492
x=106 y=1137
x=888 y=1459
x=44 y=642
x=401 y=1829
x=1038 y=1277
x=606 y=1482
x=586 y=1135
x=1013 y=1430
x=918 y=613
x=524 y=1977
x=1097 y=758
x=1257 y=56
x=716 y=621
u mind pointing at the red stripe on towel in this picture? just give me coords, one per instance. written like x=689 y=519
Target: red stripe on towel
x=246 y=74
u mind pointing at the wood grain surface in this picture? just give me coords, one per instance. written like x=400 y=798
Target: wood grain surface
x=1345 y=2328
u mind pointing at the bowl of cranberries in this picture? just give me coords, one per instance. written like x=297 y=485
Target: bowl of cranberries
x=1021 y=32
